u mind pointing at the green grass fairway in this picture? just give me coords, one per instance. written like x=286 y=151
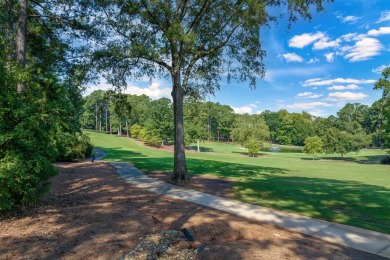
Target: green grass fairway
x=353 y=192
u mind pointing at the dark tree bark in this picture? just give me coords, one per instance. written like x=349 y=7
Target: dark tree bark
x=180 y=167
x=21 y=36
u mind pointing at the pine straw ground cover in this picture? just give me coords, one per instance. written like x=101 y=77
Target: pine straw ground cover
x=92 y=213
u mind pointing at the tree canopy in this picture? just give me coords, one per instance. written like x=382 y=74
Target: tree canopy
x=313 y=145
x=191 y=42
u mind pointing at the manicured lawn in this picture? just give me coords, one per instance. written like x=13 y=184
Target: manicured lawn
x=355 y=191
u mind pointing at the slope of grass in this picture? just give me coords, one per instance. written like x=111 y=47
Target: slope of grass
x=353 y=192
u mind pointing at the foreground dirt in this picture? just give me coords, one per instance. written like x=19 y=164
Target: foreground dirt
x=92 y=213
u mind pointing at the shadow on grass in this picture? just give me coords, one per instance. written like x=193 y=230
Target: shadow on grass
x=244 y=152
x=118 y=154
x=367 y=159
x=209 y=167
x=202 y=149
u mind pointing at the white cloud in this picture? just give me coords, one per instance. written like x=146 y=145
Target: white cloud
x=154 y=91
x=300 y=41
x=380 y=69
x=325 y=82
x=345 y=96
x=351 y=19
x=381 y=31
x=385 y=16
x=248 y=108
x=309 y=105
x=363 y=50
x=348 y=37
x=292 y=57
x=318 y=112
x=339 y=87
x=308 y=95
x=313 y=60
x=329 y=57
x=243 y=110
x=324 y=43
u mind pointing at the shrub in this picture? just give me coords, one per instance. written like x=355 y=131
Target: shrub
x=153 y=140
x=385 y=160
x=135 y=130
x=24 y=178
x=73 y=146
x=143 y=133
x=253 y=146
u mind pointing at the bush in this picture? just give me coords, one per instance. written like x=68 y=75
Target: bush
x=153 y=140
x=253 y=146
x=71 y=147
x=24 y=179
x=385 y=160
x=135 y=130
x=143 y=133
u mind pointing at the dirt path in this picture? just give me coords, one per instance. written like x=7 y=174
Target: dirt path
x=92 y=213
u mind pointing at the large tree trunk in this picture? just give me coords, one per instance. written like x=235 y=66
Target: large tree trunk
x=180 y=166
x=21 y=37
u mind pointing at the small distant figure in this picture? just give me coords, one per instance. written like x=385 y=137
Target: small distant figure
x=93 y=156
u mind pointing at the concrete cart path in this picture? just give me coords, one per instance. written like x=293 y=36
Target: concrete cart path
x=361 y=239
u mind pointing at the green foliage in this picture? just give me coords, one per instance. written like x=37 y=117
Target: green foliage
x=250 y=127
x=149 y=137
x=135 y=130
x=27 y=150
x=313 y=145
x=71 y=147
x=37 y=124
x=253 y=146
x=193 y=133
x=24 y=178
x=153 y=140
x=143 y=133
x=160 y=118
x=342 y=142
x=384 y=106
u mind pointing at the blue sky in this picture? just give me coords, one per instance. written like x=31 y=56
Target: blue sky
x=316 y=66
